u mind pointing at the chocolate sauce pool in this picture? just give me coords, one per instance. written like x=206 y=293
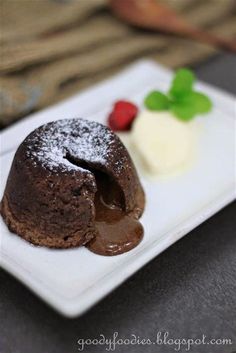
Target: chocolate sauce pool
x=117 y=232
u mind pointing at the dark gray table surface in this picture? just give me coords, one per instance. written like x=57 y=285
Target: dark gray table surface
x=189 y=290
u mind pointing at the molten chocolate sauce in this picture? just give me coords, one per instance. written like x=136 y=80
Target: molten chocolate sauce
x=117 y=232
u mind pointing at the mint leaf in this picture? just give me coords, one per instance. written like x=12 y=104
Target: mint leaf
x=182 y=83
x=183 y=111
x=156 y=100
x=190 y=105
x=201 y=102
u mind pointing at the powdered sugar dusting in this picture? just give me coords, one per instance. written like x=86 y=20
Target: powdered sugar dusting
x=86 y=140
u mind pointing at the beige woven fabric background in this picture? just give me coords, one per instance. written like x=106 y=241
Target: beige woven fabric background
x=50 y=49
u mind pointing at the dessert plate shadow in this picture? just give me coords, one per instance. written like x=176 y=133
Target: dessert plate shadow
x=73 y=280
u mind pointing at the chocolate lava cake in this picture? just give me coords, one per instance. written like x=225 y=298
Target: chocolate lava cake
x=71 y=183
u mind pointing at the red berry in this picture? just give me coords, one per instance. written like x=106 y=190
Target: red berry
x=122 y=116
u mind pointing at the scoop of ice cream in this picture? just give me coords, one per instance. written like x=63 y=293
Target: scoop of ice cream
x=163 y=142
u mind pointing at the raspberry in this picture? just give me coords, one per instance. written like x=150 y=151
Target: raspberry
x=122 y=116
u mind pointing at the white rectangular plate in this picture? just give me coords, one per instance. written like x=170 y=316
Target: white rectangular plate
x=73 y=280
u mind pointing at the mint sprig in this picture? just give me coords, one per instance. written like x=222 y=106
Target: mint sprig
x=182 y=100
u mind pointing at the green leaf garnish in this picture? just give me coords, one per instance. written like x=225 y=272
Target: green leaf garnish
x=156 y=100
x=181 y=99
x=183 y=111
x=201 y=102
x=182 y=83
